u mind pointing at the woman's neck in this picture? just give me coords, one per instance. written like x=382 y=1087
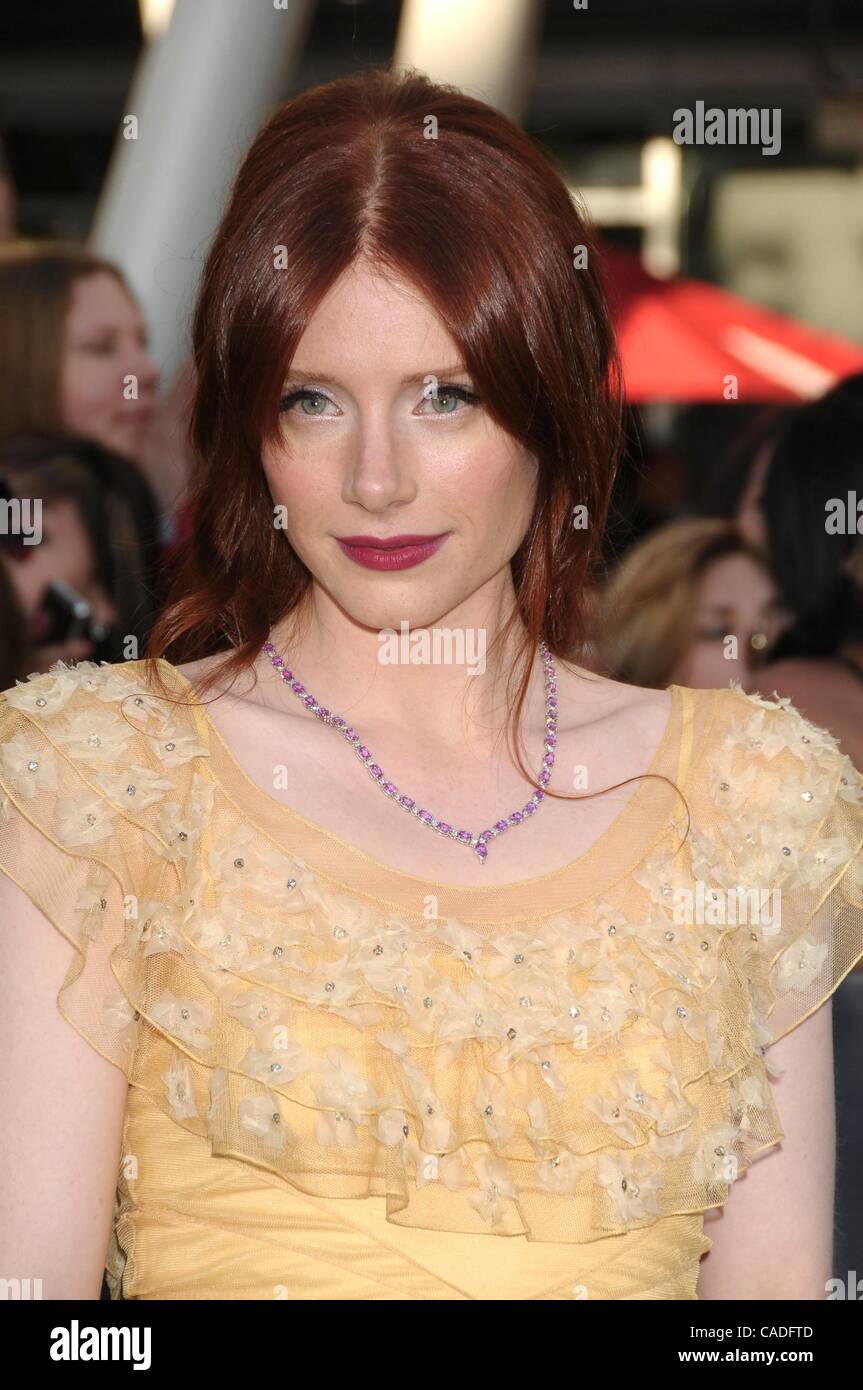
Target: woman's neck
x=446 y=678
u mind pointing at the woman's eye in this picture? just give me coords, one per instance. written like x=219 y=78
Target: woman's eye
x=445 y=399
x=711 y=634
x=316 y=400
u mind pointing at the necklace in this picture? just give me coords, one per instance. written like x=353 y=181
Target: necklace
x=478 y=843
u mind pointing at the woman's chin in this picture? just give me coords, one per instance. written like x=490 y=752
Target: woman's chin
x=127 y=440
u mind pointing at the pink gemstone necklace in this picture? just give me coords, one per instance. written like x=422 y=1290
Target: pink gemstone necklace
x=478 y=843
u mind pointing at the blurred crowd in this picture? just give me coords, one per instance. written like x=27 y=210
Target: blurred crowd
x=762 y=586
x=88 y=503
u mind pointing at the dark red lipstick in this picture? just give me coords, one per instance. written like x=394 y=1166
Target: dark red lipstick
x=390 y=552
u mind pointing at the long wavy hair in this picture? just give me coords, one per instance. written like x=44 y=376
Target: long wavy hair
x=817 y=458
x=441 y=189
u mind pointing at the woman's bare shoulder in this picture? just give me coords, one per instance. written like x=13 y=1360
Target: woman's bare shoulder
x=629 y=717
x=200 y=671
x=195 y=671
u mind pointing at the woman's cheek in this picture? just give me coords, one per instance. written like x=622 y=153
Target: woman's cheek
x=97 y=389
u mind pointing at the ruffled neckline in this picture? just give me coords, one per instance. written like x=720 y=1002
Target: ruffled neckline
x=588 y=1071
x=652 y=812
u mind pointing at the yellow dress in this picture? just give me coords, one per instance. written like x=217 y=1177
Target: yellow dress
x=346 y=1082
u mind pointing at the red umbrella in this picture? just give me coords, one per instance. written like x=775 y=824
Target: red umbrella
x=682 y=339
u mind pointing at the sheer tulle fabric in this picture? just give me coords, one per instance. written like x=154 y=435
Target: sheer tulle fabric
x=566 y=1059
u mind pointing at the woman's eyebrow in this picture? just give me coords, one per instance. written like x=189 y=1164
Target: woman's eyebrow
x=415 y=378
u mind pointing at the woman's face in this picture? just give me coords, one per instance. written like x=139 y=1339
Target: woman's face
x=104 y=345
x=65 y=553
x=367 y=451
x=735 y=597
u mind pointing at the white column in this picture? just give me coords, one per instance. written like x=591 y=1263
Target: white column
x=486 y=47
x=200 y=92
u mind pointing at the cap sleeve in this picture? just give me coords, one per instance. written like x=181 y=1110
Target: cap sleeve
x=794 y=805
x=81 y=790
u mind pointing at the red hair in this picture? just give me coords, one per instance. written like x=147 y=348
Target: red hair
x=482 y=224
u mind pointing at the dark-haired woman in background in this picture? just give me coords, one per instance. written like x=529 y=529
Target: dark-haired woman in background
x=98 y=550
x=801 y=510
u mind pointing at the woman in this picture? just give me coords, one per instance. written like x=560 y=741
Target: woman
x=801 y=508
x=690 y=604
x=97 y=537
x=74 y=350
x=408 y=1034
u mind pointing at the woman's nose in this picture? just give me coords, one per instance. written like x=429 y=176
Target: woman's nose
x=147 y=370
x=377 y=475
x=138 y=361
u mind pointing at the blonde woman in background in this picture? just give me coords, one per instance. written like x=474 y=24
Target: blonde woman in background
x=72 y=337
x=667 y=613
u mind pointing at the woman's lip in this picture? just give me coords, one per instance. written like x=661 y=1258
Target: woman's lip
x=392 y=542
x=377 y=556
